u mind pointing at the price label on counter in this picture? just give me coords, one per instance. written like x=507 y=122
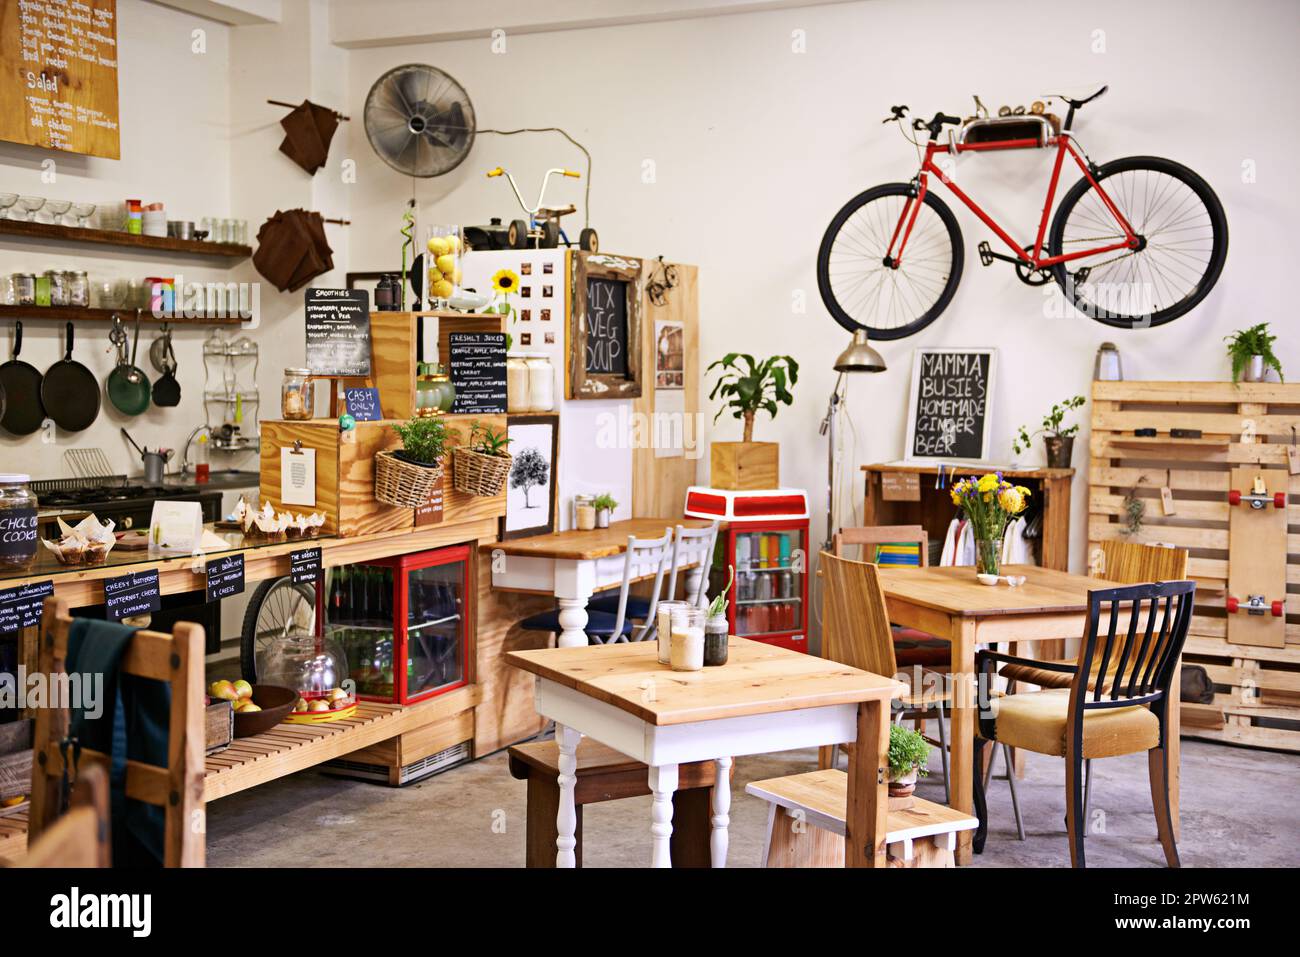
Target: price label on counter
x=135 y=594
x=225 y=577
x=304 y=566
x=21 y=607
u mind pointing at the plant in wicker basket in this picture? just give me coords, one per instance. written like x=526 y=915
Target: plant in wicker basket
x=481 y=468
x=404 y=477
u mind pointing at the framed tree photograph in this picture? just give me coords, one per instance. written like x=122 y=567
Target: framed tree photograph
x=604 y=338
x=531 y=486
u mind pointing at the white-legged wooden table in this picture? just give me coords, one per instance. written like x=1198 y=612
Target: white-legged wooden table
x=764 y=699
x=574 y=565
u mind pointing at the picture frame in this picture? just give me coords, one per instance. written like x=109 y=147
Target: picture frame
x=950 y=404
x=531 y=506
x=604 y=337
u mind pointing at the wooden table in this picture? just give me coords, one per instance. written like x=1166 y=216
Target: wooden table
x=950 y=602
x=574 y=565
x=764 y=699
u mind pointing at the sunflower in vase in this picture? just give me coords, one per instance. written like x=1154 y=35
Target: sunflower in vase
x=989 y=503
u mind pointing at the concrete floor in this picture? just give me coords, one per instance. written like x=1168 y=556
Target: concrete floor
x=1239 y=809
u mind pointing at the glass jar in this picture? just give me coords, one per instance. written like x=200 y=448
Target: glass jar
x=43 y=289
x=385 y=298
x=78 y=288
x=17 y=520
x=443 y=389
x=424 y=397
x=686 y=652
x=58 y=287
x=715 y=641
x=24 y=289
x=664 y=628
x=444 y=245
x=541 y=382
x=518 y=395
x=584 y=512
x=297 y=396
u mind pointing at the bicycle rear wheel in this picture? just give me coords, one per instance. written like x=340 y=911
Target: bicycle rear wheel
x=1185 y=241
x=278 y=608
x=861 y=291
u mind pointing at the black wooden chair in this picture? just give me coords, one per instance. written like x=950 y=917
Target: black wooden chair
x=1135 y=635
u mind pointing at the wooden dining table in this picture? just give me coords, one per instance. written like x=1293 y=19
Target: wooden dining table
x=573 y=565
x=949 y=602
x=764 y=699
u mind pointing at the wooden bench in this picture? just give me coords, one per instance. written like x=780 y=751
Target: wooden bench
x=608 y=775
x=805 y=824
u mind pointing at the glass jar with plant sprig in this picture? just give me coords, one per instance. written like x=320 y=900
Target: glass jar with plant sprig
x=717 y=634
x=989 y=503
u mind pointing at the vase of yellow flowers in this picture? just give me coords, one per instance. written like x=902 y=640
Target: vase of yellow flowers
x=989 y=502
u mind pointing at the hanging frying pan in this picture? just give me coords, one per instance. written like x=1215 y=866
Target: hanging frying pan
x=167 y=390
x=23 y=412
x=127 y=385
x=70 y=392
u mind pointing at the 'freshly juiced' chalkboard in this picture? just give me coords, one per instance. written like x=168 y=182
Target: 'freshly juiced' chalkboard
x=606 y=326
x=338 y=332
x=477 y=363
x=950 y=404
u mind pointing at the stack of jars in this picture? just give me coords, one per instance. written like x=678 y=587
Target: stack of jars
x=530 y=382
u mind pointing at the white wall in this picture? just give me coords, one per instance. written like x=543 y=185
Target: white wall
x=754 y=147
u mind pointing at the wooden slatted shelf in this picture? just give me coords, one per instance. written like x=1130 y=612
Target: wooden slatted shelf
x=53 y=232
x=13 y=836
x=80 y=315
x=1258 y=688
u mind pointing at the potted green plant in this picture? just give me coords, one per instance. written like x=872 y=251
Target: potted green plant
x=1251 y=352
x=482 y=467
x=604 y=504
x=1058 y=438
x=747 y=387
x=404 y=477
x=908 y=752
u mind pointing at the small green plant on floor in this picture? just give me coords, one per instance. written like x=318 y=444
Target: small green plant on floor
x=1255 y=341
x=424 y=441
x=907 y=750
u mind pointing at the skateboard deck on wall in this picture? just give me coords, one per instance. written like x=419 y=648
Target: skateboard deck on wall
x=1257 y=537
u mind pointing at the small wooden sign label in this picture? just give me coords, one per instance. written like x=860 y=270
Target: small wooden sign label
x=430 y=513
x=1293 y=459
x=900 y=486
x=1167 y=500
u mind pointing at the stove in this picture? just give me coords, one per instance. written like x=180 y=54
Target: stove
x=81 y=493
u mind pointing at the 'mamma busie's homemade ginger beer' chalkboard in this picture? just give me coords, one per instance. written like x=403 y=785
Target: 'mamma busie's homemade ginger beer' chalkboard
x=948 y=416
x=338 y=332
x=606 y=326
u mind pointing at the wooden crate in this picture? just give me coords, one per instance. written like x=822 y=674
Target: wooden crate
x=218 y=726
x=394 y=348
x=1249 y=424
x=745 y=466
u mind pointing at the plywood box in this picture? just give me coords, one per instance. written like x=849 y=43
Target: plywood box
x=744 y=466
x=394 y=351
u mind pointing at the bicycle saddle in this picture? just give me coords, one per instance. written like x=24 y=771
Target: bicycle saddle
x=1075 y=104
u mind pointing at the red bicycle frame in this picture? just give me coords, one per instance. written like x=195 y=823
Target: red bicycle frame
x=1063 y=145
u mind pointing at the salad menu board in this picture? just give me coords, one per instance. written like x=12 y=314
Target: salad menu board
x=477 y=362
x=58 y=75
x=338 y=332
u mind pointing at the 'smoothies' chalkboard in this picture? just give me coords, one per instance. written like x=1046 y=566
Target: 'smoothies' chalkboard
x=604 y=328
x=338 y=332
x=948 y=416
x=477 y=364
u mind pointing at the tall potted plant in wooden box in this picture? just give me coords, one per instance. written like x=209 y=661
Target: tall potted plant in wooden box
x=749 y=386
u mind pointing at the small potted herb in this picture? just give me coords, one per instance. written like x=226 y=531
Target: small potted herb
x=482 y=467
x=908 y=752
x=1251 y=352
x=604 y=504
x=404 y=477
x=716 y=630
x=1058 y=439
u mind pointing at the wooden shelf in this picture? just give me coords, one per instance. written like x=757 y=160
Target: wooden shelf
x=53 y=232
x=78 y=315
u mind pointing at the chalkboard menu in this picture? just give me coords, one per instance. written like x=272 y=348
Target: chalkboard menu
x=18 y=533
x=948 y=416
x=58 y=75
x=21 y=607
x=225 y=577
x=606 y=326
x=133 y=594
x=338 y=332
x=477 y=363
x=304 y=566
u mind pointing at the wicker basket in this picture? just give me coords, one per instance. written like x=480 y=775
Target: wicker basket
x=478 y=474
x=402 y=483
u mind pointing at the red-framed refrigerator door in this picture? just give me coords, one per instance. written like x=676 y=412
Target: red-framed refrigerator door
x=433 y=611
x=769 y=601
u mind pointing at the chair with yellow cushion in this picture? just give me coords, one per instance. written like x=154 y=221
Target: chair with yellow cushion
x=1135 y=635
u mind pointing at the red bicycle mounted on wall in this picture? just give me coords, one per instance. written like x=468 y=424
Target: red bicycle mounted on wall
x=1136 y=242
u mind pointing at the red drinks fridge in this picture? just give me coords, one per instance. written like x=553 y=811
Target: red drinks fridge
x=764 y=536
x=403 y=623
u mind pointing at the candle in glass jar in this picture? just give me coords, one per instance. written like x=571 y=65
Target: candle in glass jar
x=664 y=628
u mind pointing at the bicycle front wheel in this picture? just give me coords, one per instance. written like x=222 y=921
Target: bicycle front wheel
x=1184 y=236
x=861 y=291
x=278 y=608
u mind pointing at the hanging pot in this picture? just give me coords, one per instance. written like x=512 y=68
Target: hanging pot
x=127 y=385
x=167 y=390
x=21 y=381
x=70 y=392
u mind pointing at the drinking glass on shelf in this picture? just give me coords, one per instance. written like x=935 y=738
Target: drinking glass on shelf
x=81 y=213
x=7 y=201
x=54 y=209
x=29 y=205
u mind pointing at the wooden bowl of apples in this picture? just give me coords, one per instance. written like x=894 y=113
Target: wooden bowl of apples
x=271 y=705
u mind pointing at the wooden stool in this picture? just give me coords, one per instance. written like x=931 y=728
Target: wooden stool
x=805 y=824
x=608 y=775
